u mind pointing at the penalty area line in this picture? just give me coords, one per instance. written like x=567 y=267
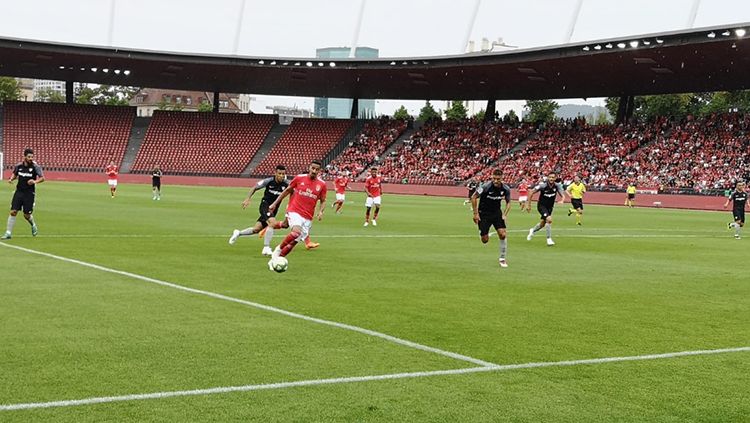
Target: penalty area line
x=355 y=379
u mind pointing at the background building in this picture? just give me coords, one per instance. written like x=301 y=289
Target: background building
x=287 y=114
x=43 y=88
x=43 y=84
x=27 y=89
x=149 y=99
x=341 y=107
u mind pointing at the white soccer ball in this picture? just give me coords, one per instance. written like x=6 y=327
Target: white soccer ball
x=279 y=264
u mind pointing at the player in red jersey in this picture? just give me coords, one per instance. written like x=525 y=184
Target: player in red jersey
x=523 y=194
x=340 y=183
x=308 y=190
x=374 y=191
x=111 y=172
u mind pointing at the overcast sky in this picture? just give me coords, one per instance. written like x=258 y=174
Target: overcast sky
x=395 y=27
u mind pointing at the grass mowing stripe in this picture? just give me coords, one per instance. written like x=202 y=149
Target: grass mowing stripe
x=283 y=385
x=264 y=307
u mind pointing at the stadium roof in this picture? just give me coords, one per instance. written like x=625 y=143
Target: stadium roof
x=698 y=60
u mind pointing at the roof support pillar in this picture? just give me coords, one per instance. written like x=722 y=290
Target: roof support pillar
x=625 y=109
x=69 y=92
x=216 y=102
x=355 y=108
x=621 y=110
x=489 y=111
x=629 y=108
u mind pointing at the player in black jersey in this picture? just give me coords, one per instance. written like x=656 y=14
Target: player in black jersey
x=739 y=200
x=472 y=188
x=548 y=192
x=29 y=175
x=274 y=186
x=156 y=183
x=488 y=213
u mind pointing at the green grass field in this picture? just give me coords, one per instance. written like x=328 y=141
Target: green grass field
x=630 y=282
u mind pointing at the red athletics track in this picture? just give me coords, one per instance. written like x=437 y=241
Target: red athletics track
x=694 y=202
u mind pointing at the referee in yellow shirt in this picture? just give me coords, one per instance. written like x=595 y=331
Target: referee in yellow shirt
x=630 y=200
x=576 y=190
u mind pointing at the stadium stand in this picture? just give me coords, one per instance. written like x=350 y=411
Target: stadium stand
x=705 y=154
x=686 y=156
x=305 y=140
x=202 y=143
x=376 y=136
x=683 y=156
x=574 y=147
x=67 y=137
x=446 y=153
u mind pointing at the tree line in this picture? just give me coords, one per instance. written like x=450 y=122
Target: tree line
x=646 y=108
x=103 y=95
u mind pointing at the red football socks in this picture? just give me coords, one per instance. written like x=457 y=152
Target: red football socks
x=288 y=243
x=288 y=249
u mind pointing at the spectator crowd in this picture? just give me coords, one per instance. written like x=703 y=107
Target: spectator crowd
x=693 y=154
x=376 y=136
x=450 y=152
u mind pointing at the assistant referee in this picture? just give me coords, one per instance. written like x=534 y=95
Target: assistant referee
x=576 y=191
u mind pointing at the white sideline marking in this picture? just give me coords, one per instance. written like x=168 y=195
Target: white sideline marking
x=414 y=236
x=667 y=236
x=313 y=382
x=264 y=307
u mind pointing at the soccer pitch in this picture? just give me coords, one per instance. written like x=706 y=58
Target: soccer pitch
x=143 y=312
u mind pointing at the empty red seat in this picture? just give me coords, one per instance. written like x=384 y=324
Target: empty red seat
x=202 y=143
x=67 y=136
x=304 y=141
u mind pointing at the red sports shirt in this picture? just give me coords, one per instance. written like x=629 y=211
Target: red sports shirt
x=523 y=189
x=111 y=172
x=372 y=186
x=341 y=182
x=307 y=192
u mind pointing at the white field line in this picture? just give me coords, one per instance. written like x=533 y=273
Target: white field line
x=272 y=309
x=387 y=236
x=333 y=381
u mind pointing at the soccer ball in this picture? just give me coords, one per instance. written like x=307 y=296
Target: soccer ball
x=279 y=264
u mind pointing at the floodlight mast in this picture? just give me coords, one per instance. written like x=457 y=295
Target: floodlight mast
x=573 y=22
x=111 y=29
x=238 y=27
x=470 y=27
x=357 y=28
x=693 y=13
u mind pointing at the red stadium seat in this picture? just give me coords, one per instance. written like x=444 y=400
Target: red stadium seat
x=202 y=143
x=304 y=141
x=67 y=137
